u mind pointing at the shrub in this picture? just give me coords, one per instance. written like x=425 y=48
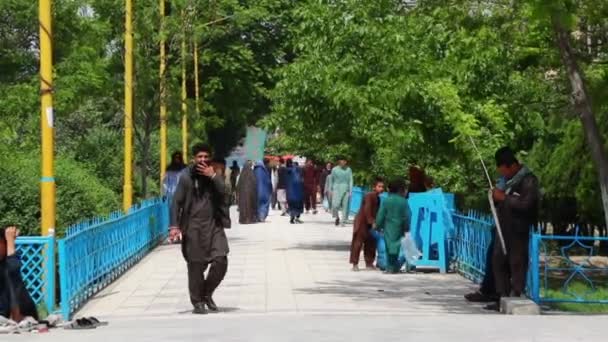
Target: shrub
x=80 y=194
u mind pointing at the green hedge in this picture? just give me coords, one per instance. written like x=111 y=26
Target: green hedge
x=80 y=194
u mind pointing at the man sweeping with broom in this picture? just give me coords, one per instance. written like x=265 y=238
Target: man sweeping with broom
x=517 y=205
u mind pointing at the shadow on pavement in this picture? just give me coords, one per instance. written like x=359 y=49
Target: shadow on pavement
x=336 y=246
x=413 y=290
x=222 y=310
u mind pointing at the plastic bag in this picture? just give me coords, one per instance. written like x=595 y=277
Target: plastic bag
x=410 y=250
x=325 y=204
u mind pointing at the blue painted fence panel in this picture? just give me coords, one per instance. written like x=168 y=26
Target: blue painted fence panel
x=430 y=225
x=37 y=255
x=95 y=253
x=470 y=242
x=568 y=269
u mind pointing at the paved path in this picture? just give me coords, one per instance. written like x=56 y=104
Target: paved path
x=281 y=268
x=351 y=328
x=293 y=283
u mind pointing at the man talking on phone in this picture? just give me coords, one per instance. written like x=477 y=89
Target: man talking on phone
x=199 y=212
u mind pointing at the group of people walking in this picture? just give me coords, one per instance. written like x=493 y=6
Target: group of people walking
x=293 y=189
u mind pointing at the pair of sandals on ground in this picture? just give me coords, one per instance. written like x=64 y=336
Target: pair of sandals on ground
x=30 y=324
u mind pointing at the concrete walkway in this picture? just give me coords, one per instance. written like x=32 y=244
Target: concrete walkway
x=293 y=283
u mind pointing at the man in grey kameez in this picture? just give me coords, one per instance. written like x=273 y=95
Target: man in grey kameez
x=200 y=212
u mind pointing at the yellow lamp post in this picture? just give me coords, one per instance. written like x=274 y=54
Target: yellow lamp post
x=184 y=97
x=128 y=171
x=47 y=179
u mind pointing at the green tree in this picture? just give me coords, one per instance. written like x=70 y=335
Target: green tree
x=394 y=86
x=563 y=17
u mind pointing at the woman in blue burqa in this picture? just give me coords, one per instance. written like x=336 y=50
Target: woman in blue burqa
x=295 y=192
x=264 y=186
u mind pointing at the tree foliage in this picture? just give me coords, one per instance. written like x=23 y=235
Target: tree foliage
x=237 y=57
x=395 y=85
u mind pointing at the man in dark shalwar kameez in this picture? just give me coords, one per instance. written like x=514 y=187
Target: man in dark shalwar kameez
x=247 y=195
x=517 y=205
x=365 y=221
x=311 y=182
x=200 y=213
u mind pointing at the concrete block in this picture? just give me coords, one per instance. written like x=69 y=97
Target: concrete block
x=518 y=306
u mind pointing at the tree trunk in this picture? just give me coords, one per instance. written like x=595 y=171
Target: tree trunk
x=584 y=108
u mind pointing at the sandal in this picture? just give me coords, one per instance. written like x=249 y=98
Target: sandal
x=97 y=322
x=27 y=324
x=80 y=324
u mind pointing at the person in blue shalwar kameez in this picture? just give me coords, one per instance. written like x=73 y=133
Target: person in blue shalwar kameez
x=393 y=219
x=341 y=188
x=264 y=185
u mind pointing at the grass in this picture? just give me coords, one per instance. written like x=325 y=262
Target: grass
x=600 y=293
x=42 y=310
x=560 y=267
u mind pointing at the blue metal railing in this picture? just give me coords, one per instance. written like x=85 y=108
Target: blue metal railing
x=470 y=242
x=568 y=269
x=96 y=252
x=37 y=255
x=470 y=245
x=562 y=269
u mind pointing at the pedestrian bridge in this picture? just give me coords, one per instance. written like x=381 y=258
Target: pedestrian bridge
x=120 y=266
x=273 y=266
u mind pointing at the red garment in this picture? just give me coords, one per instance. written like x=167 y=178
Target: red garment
x=311 y=180
x=361 y=231
x=311 y=177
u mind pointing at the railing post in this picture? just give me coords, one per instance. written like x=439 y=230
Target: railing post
x=534 y=267
x=50 y=274
x=63 y=281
